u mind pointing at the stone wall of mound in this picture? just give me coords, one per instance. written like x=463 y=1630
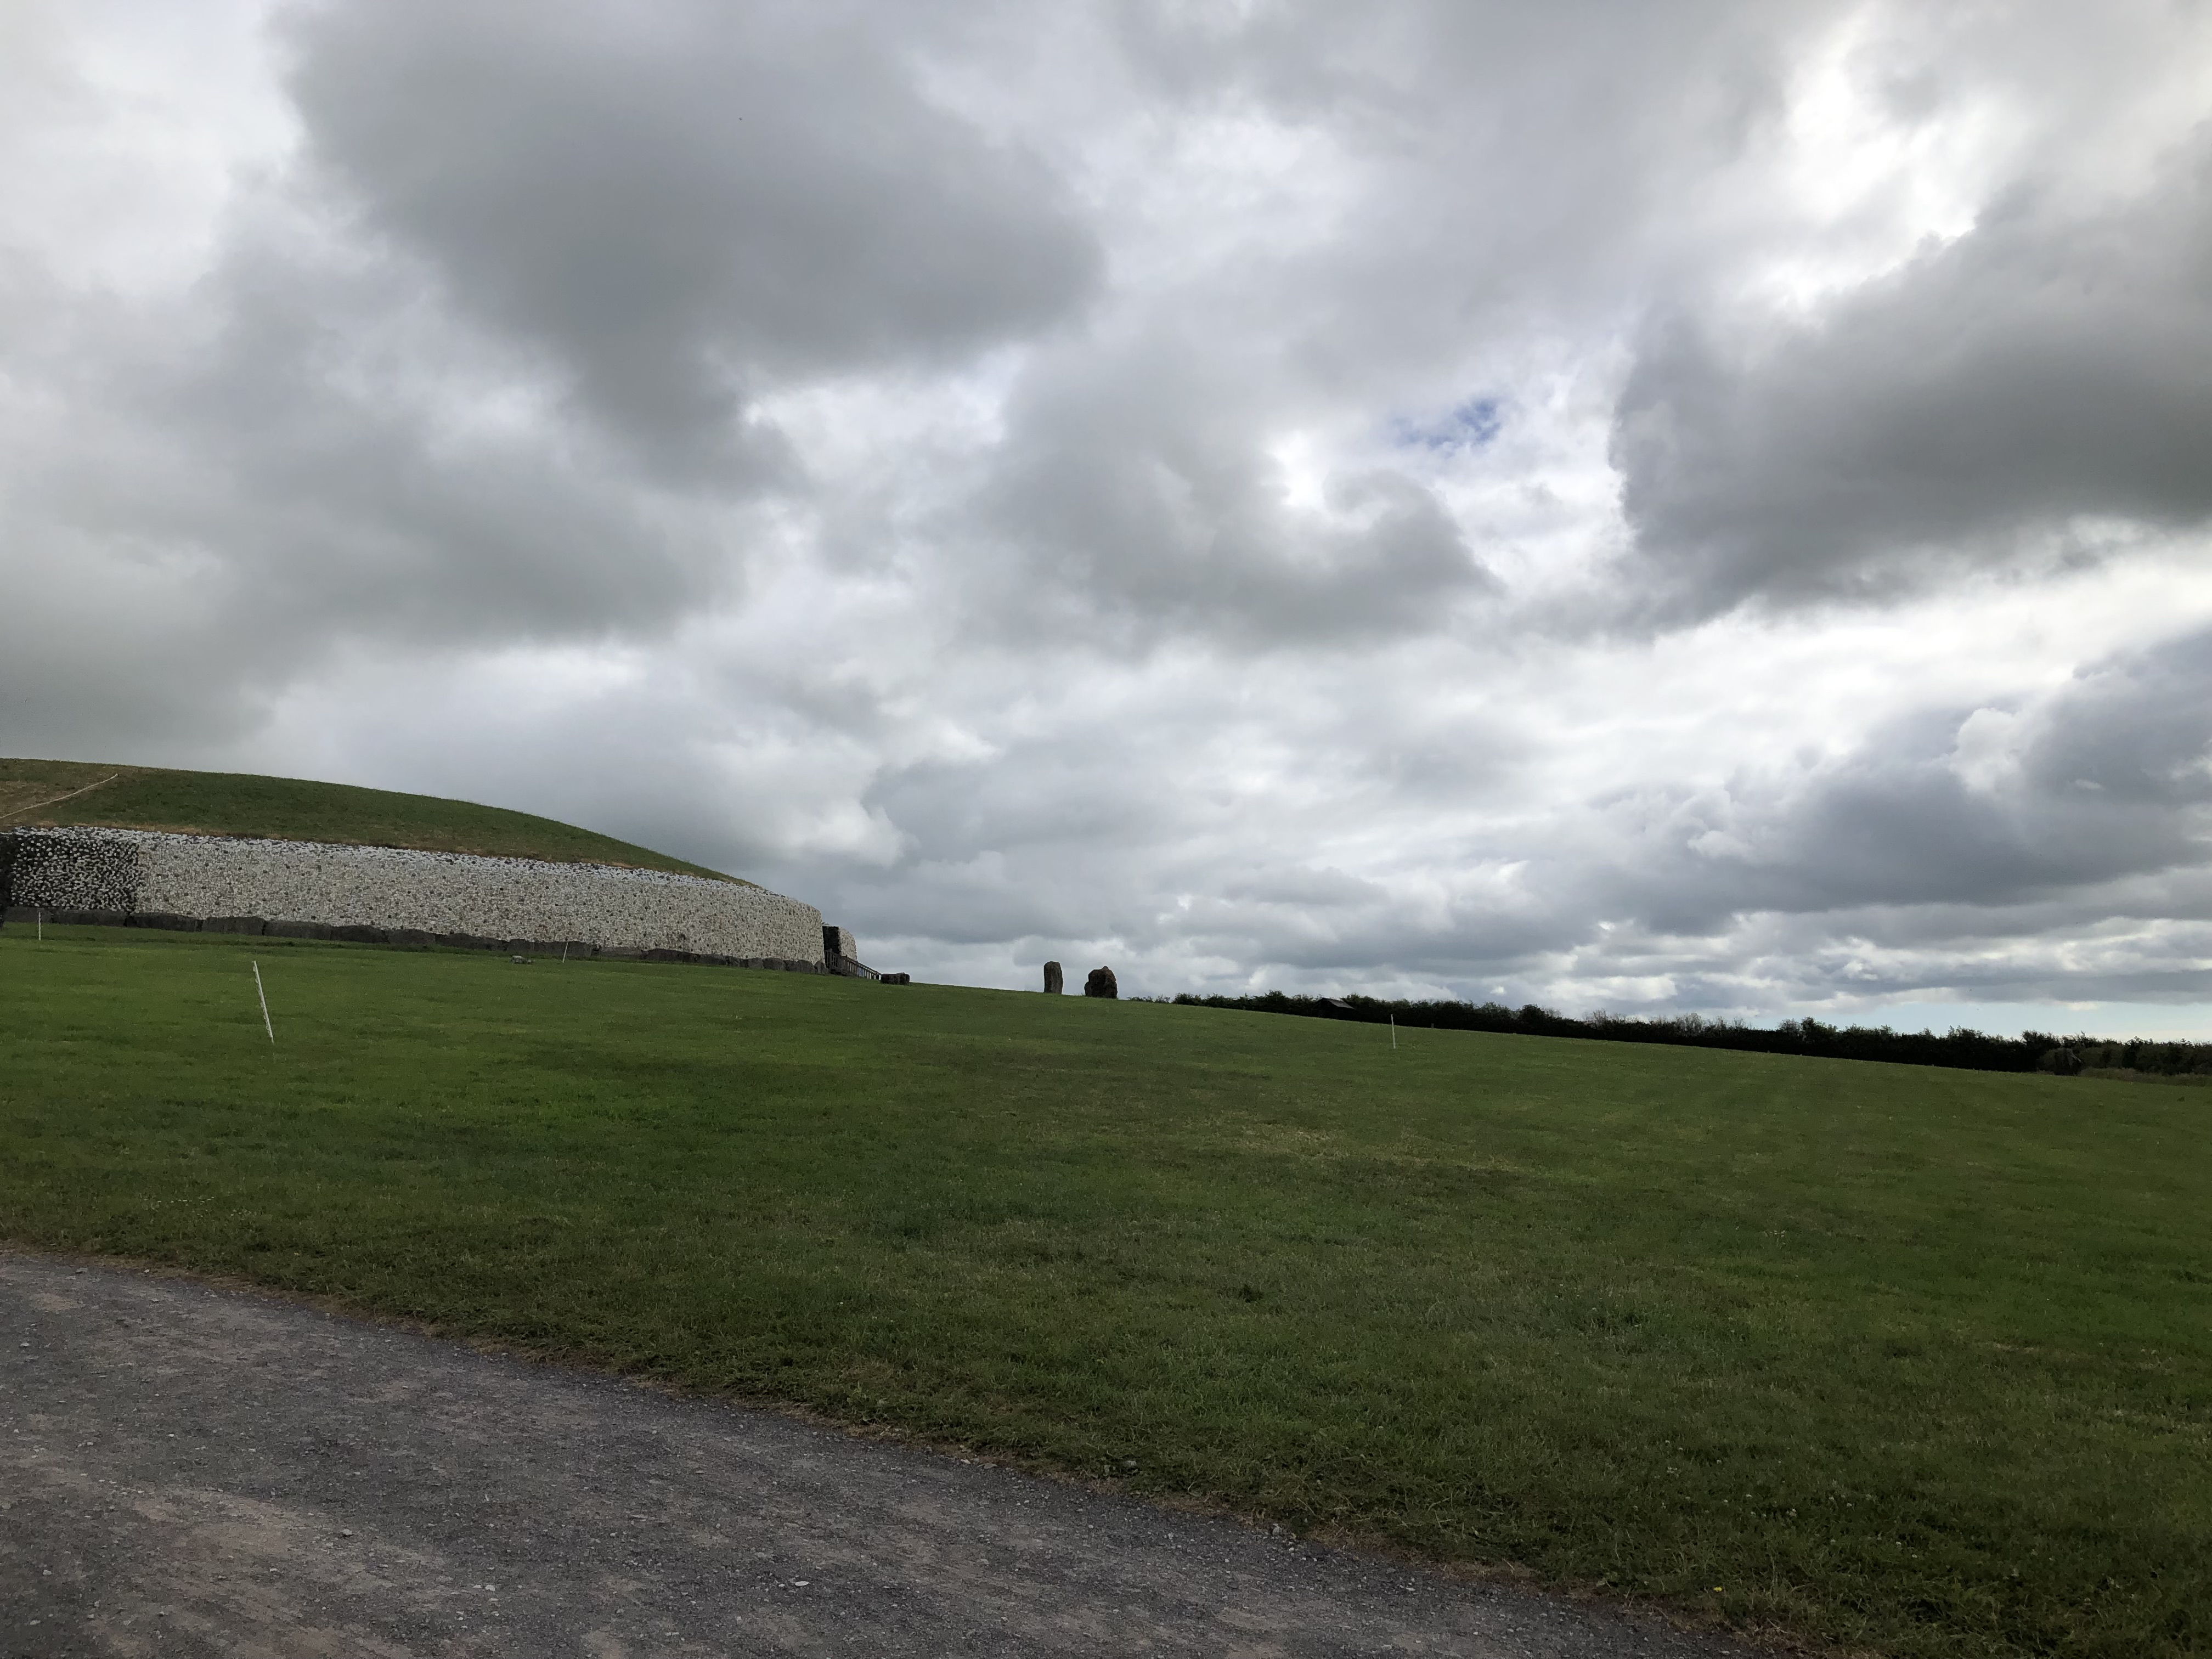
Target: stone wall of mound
x=308 y=888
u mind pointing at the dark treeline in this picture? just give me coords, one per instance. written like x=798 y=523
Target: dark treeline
x=1961 y=1047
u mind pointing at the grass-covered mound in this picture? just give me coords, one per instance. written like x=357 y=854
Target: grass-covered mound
x=1912 y=1360
x=54 y=793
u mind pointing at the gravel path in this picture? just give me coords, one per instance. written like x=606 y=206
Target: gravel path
x=186 y=1470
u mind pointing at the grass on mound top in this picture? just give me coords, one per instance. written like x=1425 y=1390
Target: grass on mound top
x=57 y=792
x=1902 y=1359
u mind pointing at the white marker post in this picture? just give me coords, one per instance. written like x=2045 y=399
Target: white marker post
x=42 y=927
x=1393 y=1031
x=266 y=1023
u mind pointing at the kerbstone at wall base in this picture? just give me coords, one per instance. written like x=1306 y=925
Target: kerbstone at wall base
x=549 y=950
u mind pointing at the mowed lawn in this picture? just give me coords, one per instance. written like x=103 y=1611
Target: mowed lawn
x=1905 y=1359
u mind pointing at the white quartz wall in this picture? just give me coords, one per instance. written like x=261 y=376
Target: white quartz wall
x=393 y=888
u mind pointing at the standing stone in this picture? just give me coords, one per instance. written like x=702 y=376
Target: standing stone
x=1101 y=983
x=1054 y=985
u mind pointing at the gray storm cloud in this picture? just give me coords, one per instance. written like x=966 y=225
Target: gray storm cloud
x=1132 y=499
x=2041 y=370
x=1690 y=508
x=673 y=203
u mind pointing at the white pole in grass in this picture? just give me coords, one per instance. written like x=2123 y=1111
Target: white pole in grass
x=263 y=995
x=1393 y=1031
x=42 y=927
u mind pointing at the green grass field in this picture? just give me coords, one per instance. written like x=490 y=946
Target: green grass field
x=1915 y=1361
x=295 y=809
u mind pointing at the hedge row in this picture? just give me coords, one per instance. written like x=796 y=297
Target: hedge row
x=1961 y=1046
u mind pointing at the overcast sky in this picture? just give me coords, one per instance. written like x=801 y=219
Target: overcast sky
x=1689 y=506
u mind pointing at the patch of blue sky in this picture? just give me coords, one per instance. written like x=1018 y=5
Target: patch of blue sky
x=1472 y=425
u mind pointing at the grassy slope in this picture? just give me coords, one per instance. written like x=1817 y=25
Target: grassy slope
x=295 y=809
x=1914 y=1360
